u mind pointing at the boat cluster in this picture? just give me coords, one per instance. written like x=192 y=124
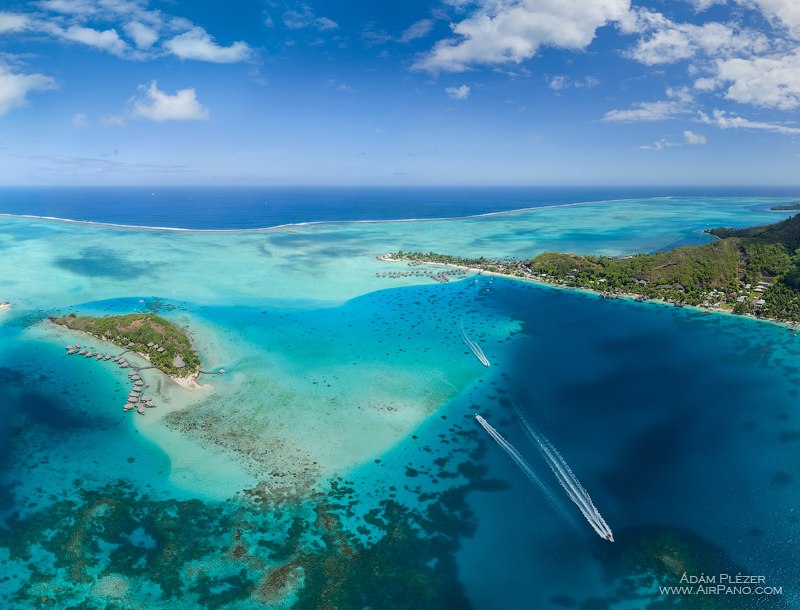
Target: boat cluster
x=135 y=399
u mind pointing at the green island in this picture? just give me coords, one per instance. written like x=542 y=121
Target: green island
x=164 y=344
x=754 y=271
x=786 y=207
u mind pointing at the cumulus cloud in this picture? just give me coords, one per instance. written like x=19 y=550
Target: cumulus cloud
x=723 y=120
x=88 y=22
x=763 y=81
x=105 y=40
x=693 y=139
x=143 y=36
x=14 y=87
x=679 y=102
x=69 y=7
x=511 y=32
x=458 y=93
x=156 y=105
x=80 y=120
x=782 y=12
x=12 y=22
x=198 y=44
x=665 y=41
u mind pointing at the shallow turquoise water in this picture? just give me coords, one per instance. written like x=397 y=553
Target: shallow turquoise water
x=344 y=431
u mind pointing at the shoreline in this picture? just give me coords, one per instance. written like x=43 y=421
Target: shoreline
x=636 y=298
x=289 y=225
x=4 y=306
x=189 y=382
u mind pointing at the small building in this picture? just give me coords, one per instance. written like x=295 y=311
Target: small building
x=178 y=362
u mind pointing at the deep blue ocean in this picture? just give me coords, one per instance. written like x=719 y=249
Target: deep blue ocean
x=259 y=207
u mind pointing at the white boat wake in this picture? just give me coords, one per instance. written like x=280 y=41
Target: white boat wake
x=568 y=480
x=476 y=349
x=563 y=473
x=526 y=468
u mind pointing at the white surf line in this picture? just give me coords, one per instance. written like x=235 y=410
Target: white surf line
x=569 y=481
x=474 y=347
x=311 y=223
x=526 y=468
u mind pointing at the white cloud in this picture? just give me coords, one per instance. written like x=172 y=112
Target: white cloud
x=707 y=84
x=80 y=120
x=345 y=88
x=304 y=17
x=557 y=83
x=693 y=139
x=157 y=105
x=144 y=36
x=500 y=32
x=70 y=7
x=658 y=145
x=784 y=12
x=14 y=87
x=420 y=29
x=680 y=102
x=106 y=40
x=90 y=22
x=198 y=44
x=722 y=120
x=669 y=42
x=458 y=93
x=12 y=22
x=763 y=81
x=704 y=5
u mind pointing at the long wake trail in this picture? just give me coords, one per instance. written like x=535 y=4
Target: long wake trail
x=476 y=349
x=525 y=467
x=569 y=482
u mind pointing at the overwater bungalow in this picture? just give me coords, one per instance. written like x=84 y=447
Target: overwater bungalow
x=140 y=410
x=128 y=407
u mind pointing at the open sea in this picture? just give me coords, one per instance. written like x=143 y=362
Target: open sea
x=338 y=463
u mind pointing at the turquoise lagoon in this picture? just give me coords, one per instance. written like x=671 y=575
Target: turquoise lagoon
x=338 y=463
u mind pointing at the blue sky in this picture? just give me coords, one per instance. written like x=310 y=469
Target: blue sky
x=412 y=92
